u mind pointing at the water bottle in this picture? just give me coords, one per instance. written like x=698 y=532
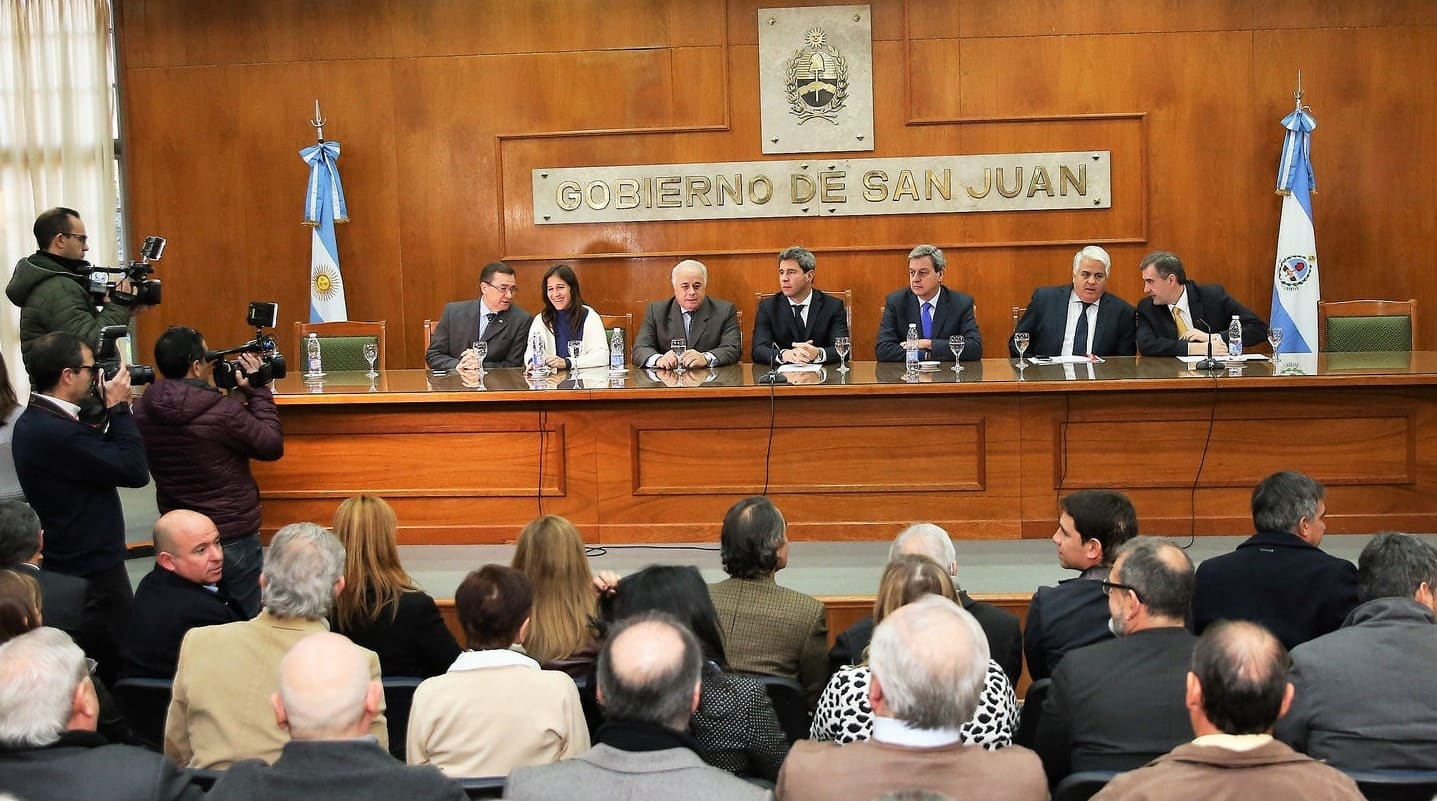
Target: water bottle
x=616 y=350
x=1234 y=338
x=910 y=355
x=536 y=364
x=312 y=349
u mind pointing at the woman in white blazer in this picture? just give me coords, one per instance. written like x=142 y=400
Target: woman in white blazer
x=565 y=318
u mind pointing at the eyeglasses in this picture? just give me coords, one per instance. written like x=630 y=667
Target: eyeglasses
x=512 y=289
x=84 y=238
x=1109 y=586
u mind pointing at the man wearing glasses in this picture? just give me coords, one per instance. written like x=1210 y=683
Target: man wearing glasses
x=70 y=470
x=491 y=318
x=52 y=285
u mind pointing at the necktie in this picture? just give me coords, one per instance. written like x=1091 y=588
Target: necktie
x=927 y=319
x=1178 y=318
x=486 y=322
x=688 y=318
x=1080 y=332
x=798 y=316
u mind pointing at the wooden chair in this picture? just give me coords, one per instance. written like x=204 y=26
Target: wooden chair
x=341 y=345
x=428 y=334
x=845 y=295
x=1349 y=326
x=624 y=321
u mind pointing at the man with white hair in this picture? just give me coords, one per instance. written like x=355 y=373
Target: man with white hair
x=708 y=325
x=220 y=704
x=1005 y=636
x=49 y=750
x=929 y=660
x=327 y=701
x=1082 y=318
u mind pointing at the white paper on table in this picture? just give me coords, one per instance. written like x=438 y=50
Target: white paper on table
x=1065 y=360
x=1246 y=357
x=800 y=368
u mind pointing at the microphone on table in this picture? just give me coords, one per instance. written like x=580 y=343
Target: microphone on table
x=1209 y=363
x=773 y=376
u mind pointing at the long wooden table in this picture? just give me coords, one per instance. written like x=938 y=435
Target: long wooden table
x=984 y=452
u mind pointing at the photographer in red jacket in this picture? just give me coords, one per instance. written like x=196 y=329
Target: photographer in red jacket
x=199 y=441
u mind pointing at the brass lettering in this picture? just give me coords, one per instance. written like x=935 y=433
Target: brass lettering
x=697 y=187
x=599 y=200
x=760 y=182
x=734 y=191
x=569 y=197
x=1040 y=182
x=802 y=188
x=875 y=186
x=1079 y=184
x=669 y=191
x=835 y=190
x=987 y=185
x=941 y=182
x=1017 y=183
x=906 y=186
x=626 y=192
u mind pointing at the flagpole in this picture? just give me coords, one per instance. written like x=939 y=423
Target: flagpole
x=318 y=121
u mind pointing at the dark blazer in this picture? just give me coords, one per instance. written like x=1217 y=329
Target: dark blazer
x=458 y=327
x=1210 y=305
x=826 y=321
x=1275 y=578
x=411 y=638
x=63 y=599
x=1046 y=322
x=167 y=606
x=713 y=329
x=1117 y=705
x=952 y=314
x=1005 y=638
x=352 y=770
x=1062 y=618
x=81 y=765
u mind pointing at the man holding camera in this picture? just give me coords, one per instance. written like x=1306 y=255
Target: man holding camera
x=52 y=285
x=200 y=441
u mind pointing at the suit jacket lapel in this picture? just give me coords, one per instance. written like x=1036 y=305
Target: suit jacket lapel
x=497 y=327
x=699 y=322
x=1198 y=309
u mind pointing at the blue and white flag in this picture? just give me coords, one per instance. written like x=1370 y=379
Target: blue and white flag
x=1295 y=289
x=323 y=207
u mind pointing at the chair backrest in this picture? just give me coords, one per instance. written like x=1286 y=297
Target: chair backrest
x=790 y=705
x=341 y=345
x=144 y=703
x=1082 y=785
x=398 y=698
x=1018 y=312
x=1395 y=785
x=589 y=702
x=1349 y=326
x=1032 y=711
x=483 y=786
x=428 y=334
x=624 y=321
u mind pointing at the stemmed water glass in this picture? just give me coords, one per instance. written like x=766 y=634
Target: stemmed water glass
x=371 y=352
x=481 y=350
x=679 y=345
x=574 y=345
x=842 y=345
x=955 y=344
x=1020 y=341
x=1274 y=338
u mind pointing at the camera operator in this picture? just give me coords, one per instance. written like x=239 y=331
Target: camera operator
x=51 y=286
x=200 y=441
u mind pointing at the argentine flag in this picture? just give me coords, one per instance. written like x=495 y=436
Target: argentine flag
x=323 y=207
x=1295 y=290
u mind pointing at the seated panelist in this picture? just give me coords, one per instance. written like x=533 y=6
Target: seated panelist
x=1179 y=317
x=1083 y=319
x=799 y=324
x=492 y=317
x=936 y=311
x=566 y=319
x=708 y=325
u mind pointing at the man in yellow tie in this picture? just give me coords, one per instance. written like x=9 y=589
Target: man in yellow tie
x=1178 y=316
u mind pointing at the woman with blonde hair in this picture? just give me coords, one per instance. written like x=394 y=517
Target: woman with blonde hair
x=380 y=607
x=844 y=714
x=563 y=633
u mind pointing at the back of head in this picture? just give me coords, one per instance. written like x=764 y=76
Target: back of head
x=39 y=672
x=323 y=681
x=649 y=671
x=1103 y=515
x=926 y=539
x=551 y=553
x=930 y=658
x=1161 y=573
x=1165 y=264
x=1283 y=499
x=373 y=577
x=677 y=591
x=19 y=604
x=301 y=568
x=1242 y=669
x=48 y=357
x=19 y=533
x=492 y=604
x=178 y=348
x=1395 y=565
x=907 y=578
x=753 y=534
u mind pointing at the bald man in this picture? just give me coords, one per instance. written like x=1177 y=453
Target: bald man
x=182 y=592
x=708 y=325
x=327 y=701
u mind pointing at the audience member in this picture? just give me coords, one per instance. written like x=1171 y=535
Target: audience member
x=1236 y=691
x=19 y=604
x=181 y=592
x=566 y=319
x=563 y=631
x=1005 y=635
x=767 y=629
x=929 y=660
x=49 y=749
x=649 y=683
x=495 y=710
x=380 y=607
x=21 y=545
x=708 y=326
x=844 y=714
x=1279 y=577
x=1086 y=724
x=1091 y=526
x=219 y=711
x=10 y=411
x=735 y=721
x=1339 y=714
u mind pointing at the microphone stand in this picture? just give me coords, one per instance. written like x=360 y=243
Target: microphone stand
x=773 y=376
x=1209 y=364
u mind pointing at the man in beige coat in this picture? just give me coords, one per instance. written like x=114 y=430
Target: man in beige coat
x=220 y=709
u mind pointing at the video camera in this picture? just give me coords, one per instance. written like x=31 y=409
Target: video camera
x=103 y=280
x=261 y=315
x=107 y=357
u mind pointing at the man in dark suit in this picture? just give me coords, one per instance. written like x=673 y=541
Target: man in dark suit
x=1179 y=317
x=708 y=325
x=326 y=701
x=182 y=592
x=934 y=310
x=798 y=325
x=1279 y=577
x=492 y=317
x=1082 y=319
x=1119 y=704
x=21 y=542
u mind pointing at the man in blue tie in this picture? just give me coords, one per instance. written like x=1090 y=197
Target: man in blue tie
x=937 y=311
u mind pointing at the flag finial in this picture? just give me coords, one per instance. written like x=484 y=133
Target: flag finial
x=1297 y=96
x=318 y=121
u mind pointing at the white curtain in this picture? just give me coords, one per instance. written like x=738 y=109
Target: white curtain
x=56 y=139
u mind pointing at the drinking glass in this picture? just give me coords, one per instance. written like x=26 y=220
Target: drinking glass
x=1274 y=338
x=1020 y=341
x=842 y=345
x=955 y=344
x=371 y=352
x=574 y=354
x=678 y=346
x=481 y=350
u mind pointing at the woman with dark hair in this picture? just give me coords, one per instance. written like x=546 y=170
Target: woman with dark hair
x=566 y=319
x=495 y=710
x=10 y=411
x=735 y=723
